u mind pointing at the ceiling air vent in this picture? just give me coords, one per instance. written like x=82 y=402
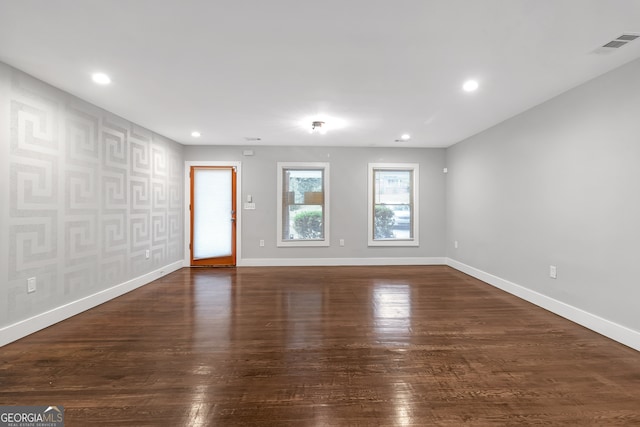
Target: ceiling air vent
x=628 y=37
x=621 y=41
x=617 y=43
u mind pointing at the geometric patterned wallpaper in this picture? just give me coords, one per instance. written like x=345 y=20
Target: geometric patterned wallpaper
x=88 y=194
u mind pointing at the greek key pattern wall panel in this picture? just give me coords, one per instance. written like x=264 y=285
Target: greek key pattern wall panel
x=139 y=196
x=34 y=174
x=90 y=195
x=82 y=199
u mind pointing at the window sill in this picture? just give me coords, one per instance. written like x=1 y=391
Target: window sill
x=395 y=242
x=302 y=243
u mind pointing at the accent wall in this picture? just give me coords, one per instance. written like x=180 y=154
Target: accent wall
x=84 y=195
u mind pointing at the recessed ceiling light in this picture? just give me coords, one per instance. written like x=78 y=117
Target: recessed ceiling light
x=101 y=78
x=196 y=134
x=470 y=86
x=405 y=137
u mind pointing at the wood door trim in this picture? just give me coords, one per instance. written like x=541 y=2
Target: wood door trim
x=229 y=261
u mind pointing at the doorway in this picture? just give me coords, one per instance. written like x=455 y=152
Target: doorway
x=213 y=215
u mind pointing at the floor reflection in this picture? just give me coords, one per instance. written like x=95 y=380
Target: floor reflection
x=304 y=315
x=212 y=309
x=392 y=312
x=402 y=399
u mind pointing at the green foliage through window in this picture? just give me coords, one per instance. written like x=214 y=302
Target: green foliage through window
x=308 y=224
x=383 y=222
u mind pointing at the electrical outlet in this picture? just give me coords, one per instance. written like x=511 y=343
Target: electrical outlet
x=31 y=285
x=261 y=243
x=146 y=253
x=553 y=273
x=341 y=242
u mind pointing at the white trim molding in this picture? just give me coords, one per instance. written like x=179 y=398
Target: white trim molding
x=33 y=324
x=414 y=228
x=326 y=208
x=312 y=262
x=609 y=329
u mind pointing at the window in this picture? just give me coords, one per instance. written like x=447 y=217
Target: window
x=303 y=204
x=393 y=204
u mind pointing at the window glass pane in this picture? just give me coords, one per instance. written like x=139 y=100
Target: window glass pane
x=392 y=187
x=393 y=203
x=301 y=182
x=392 y=222
x=303 y=203
x=305 y=222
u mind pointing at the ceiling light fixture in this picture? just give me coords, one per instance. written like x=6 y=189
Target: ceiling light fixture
x=470 y=86
x=404 y=137
x=321 y=123
x=196 y=134
x=100 y=78
x=318 y=127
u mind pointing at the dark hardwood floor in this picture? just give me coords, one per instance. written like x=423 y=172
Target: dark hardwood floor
x=322 y=346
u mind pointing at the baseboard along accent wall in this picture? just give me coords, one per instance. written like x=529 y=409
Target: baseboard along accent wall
x=40 y=321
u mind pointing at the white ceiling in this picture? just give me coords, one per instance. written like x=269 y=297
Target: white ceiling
x=255 y=68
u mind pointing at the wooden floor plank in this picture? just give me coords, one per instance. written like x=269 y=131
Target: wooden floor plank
x=314 y=346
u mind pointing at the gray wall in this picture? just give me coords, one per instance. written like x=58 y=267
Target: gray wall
x=348 y=193
x=84 y=194
x=557 y=185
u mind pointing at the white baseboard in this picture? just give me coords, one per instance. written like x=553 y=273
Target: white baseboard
x=610 y=329
x=312 y=262
x=616 y=332
x=33 y=324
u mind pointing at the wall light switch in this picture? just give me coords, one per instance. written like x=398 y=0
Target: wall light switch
x=341 y=242
x=455 y=244
x=31 y=285
x=553 y=272
x=146 y=254
x=261 y=243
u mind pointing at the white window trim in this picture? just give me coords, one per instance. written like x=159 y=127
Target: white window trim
x=415 y=241
x=303 y=243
